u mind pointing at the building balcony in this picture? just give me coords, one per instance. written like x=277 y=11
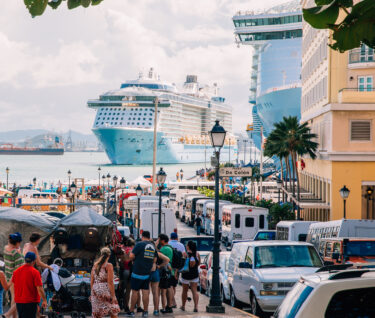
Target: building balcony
x=361 y=58
x=357 y=96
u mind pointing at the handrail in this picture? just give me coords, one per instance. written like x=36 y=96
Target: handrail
x=356 y=89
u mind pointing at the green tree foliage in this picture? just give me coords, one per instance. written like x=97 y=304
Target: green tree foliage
x=356 y=25
x=38 y=7
x=280 y=212
x=264 y=204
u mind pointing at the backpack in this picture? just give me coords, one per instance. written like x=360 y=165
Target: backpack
x=91 y=241
x=178 y=261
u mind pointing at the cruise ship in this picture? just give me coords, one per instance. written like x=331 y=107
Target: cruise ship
x=276 y=40
x=125 y=121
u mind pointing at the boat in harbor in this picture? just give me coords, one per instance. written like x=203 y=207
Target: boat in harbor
x=10 y=149
x=276 y=38
x=125 y=120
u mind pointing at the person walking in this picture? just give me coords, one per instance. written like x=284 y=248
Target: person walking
x=28 y=288
x=191 y=278
x=103 y=297
x=198 y=224
x=32 y=246
x=143 y=256
x=166 y=273
x=174 y=279
x=126 y=272
x=4 y=286
x=13 y=259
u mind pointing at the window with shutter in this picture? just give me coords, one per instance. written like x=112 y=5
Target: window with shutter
x=360 y=130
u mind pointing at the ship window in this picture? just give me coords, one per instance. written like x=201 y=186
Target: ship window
x=102 y=123
x=112 y=123
x=143 y=124
x=105 y=113
x=139 y=118
x=110 y=109
x=138 y=124
x=117 y=118
x=131 y=109
x=122 y=118
x=116 y=123
x=113 y=118
x=150 y=119
x=97 y=123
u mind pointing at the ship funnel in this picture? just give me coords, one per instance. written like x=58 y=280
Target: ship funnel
x=191 y=79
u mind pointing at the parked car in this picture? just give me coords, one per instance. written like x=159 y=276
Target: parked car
x=261 y=273
x=345 y=293
x=204 y=267
x=204 y=244
x=351 y=250
x=265 y=236
x=223 y=274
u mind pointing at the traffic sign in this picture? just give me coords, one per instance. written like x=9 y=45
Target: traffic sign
x=236 y=172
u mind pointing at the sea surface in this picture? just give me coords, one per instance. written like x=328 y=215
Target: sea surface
x=51 y=169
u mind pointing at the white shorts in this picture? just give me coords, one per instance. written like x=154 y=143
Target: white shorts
x=188 y=281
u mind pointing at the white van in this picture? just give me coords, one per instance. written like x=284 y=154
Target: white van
x=149 y=220
x=340 y=228
x=242 y=222
x=175 y=198
x=182 y=204
x=201 y=208
x=190 y=207
x=210 y=215
x=292 y=230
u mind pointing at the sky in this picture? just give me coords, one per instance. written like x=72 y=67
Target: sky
x=51 y=65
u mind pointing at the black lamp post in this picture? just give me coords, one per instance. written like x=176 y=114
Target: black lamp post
x=139 y=192
x=73 y=189
x=7 y=171
x=69 y=195
x=99 y=169
x=108 y=179
x=279 y=184
x=160 y=177
x=34 y=182
x=368 y=196
x=115 y=187
x=344 y=192
x=122 y=185
x=217 y=135
x=103 y=179
x=69 y=175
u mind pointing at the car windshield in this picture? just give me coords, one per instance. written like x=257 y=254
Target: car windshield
x=286 y=256
x=203 y=244
x=265 y=236
x=293 y=301
x=360 y=248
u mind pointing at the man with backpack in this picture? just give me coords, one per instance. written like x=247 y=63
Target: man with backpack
x=198 y=224
x=165 y=275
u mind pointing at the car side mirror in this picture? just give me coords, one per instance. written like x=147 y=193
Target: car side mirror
x=203 y=266
x=335 y=256
x=244 y=265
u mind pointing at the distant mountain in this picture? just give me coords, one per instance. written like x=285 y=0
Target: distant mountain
x=17 y=136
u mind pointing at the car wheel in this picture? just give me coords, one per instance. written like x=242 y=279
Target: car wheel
x=254 y=306
x=233 y=300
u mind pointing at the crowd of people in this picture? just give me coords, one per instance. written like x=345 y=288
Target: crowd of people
x=143 y=266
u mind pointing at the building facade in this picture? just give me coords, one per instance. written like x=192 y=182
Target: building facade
x=338 y=102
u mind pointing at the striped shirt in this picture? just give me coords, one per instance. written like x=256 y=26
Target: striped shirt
x=12 y=259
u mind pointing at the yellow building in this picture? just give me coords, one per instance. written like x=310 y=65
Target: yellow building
x=338 y=102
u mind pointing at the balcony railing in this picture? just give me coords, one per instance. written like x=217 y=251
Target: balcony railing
x=357 y=95
x=361 y=56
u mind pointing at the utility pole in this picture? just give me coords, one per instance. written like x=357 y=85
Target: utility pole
x=156 y=102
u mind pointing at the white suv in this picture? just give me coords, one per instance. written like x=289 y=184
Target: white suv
x=261 y=273
x=343 y=293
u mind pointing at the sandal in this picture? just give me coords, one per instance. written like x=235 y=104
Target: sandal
x=195 y=310
x=182 y=308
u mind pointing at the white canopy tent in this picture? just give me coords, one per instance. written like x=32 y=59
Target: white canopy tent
x=144 y=183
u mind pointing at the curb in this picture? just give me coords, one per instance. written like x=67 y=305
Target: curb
x=245 y=312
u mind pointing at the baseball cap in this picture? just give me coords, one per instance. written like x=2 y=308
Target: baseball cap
x=16 y=237
x=30 y=257
x=174 y=236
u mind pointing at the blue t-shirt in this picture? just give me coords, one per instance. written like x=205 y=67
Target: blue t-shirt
x=145 y=253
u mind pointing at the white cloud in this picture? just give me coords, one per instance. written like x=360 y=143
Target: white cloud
x=66 y=57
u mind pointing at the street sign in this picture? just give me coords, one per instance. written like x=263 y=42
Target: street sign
x=236 y=172
x=130 y=204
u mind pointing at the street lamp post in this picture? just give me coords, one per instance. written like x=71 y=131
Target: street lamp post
x=122 y=187
x=69 y=175
x=34 y=182
x=103 y=179
x=108 y=179
x=99 y=169
x=7 y=171
x=139 y=192
x=160 y=176
x=344 y=192
x=279 y=184
x=368 y=197
x=115 y=187
x=217 y=135
x=73 y=189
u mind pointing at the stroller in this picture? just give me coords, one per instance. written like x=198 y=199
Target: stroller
x=66 y=300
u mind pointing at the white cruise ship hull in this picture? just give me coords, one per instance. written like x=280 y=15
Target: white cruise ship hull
x=126 y=146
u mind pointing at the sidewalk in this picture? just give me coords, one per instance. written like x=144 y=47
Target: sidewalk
x=203 y=302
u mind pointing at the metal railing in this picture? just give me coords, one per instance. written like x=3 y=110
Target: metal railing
x=361 y=56
x=357 y=89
